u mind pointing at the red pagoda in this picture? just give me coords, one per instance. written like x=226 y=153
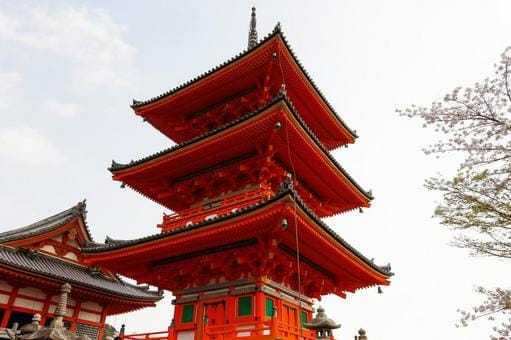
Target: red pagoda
x=249 y=180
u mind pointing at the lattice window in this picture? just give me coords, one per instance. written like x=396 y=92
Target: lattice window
x=269 y=307
x=304 y=318
x=244 y=306
x=187 y=313
x=91 y=331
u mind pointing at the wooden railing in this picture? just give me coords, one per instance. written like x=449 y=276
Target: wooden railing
x=238 y=330
x=267 y=329
x=217 y=208
x=163 y=335
x=287 y=331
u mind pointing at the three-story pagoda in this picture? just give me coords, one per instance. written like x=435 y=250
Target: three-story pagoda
x=249 y=180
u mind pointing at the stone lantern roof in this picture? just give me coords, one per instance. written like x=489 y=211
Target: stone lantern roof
x=321 y=321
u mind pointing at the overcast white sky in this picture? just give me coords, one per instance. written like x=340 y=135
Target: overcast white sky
x=68 y=72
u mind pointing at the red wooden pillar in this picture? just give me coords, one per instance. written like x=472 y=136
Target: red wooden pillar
x=178 y=310
x=260 y=309
x=230 y=308
x=274 y=332
x=46 y=307
x=171 y=332
x=7 y=314
x=199 y=320
x=75 y=316
x=102 y=320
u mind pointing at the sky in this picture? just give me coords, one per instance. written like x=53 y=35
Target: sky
x=69 y=70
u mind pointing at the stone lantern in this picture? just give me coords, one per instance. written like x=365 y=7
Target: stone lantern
x=322 y=325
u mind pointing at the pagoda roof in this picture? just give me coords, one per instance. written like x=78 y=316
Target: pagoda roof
x=48 y=224
x=120 y=171
x=275 y=36
x=286 y=192
x=48 y=267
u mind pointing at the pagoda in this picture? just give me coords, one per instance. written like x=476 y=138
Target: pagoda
x=249 y=180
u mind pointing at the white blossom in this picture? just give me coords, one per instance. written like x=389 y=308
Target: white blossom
x=476 y=122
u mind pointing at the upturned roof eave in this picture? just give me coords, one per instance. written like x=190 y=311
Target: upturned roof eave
x=276 y=33
x=117 y=169
x=44 y=226
x=44 y=272
x=98 y=250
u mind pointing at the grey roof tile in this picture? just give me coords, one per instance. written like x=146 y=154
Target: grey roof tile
x=47 y=266
x=48 y=224
x=280 y=97
x=276 y=31
x=286 y=189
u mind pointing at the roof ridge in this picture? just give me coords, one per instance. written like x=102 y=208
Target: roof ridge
x=313 y=83
x=277 y=30
x=139 y=103
x=367 y=193
x=386 y=269
x=109 y=240
x=38 y=227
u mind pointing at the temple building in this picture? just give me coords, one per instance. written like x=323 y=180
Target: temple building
x=37 y=259
x=249 y=180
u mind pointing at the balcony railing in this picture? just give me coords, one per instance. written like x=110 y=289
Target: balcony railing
x=164 y=335
x=215 y=208
x=267 y=329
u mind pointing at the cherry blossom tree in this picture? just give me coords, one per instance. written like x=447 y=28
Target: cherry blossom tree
x=476 y=122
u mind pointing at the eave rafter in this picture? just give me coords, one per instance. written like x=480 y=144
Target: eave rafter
x=240 y=136
x=321 y=251
x=242 y=260
x=270 y=63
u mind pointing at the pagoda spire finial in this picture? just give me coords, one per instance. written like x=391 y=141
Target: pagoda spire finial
x=252 y=33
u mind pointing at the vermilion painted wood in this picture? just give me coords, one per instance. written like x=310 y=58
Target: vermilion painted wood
x=182 y=115
x=242 y=128
x=117 y=305
x=327 y=188
x=263 y=224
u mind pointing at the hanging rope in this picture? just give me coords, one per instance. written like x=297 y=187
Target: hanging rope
x=281 y=70
x=297 y=238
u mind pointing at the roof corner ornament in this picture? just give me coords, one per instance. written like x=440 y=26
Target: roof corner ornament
x=282 y=90
x=252 y=33
x=278 y=28
x=286 y=185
